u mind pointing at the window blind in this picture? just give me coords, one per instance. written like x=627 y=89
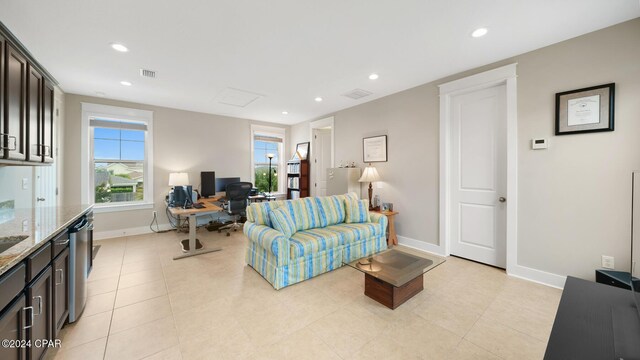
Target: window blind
x=116 y=124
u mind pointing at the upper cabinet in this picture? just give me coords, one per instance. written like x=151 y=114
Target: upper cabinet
x=26 y=106
x=15 y=124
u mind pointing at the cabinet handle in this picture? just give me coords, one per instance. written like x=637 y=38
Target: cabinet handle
x=61 y=243
x=39 y=298
x=31 y=322
x=15 y=142
x=61 y=277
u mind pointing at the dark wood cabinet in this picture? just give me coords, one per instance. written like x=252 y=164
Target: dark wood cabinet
x=34 y=115
x=27 y=121
x=47 y=122
x=13 y=321
x=3 y=139
x=60 y=295
x=14 y=107
x=39 y=297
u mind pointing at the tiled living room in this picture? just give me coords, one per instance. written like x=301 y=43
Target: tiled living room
x=335 y=180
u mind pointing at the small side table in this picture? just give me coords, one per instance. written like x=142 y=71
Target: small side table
x=393 y=238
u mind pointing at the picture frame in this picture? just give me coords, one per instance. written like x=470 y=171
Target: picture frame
x=386 y=207
x=302 y=150
x=585 y=110
x=374 y=149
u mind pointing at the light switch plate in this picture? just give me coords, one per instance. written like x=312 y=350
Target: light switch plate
x=608 y=262
x=25 y=183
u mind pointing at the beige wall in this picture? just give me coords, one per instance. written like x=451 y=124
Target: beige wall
x=183 y=141
x=574 y=198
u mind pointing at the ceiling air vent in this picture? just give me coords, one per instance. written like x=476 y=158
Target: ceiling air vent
x=148 y=73
x=357 y=94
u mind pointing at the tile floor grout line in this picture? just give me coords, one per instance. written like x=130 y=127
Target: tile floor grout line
x=113 y=310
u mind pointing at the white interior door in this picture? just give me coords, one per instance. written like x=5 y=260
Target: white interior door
x=321 y=154
x=479 y=175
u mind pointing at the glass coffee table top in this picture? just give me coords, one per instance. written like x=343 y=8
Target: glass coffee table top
x=396 y=267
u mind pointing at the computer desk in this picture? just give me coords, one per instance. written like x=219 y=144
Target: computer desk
x=193 y=246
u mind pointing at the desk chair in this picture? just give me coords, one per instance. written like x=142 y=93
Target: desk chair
x=237 y=199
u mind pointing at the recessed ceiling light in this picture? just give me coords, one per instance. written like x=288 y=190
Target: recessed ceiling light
x=285 y=113
x=318 y=99
x=125 y=83
x=119 y=47
x=373 y=76
x=479 y=32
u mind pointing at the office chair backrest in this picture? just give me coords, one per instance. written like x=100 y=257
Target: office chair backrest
x=238 y=196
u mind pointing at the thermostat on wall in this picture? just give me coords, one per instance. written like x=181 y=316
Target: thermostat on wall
x=539 y=144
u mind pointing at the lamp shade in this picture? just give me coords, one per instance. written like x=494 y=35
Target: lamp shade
x=370 y=174
x=178 y=179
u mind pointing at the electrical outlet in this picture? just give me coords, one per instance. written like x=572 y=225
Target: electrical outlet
x=25 y=225
x=608 y=262
x=155 y=213
x=25 y=183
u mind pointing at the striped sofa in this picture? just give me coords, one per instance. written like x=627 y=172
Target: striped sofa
x=320 y=241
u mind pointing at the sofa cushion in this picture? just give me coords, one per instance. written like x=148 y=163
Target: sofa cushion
x=282 y=221
x=259 y=212
x=356 y=211
x=304 y=212
x=331 y=208
x=314 y=240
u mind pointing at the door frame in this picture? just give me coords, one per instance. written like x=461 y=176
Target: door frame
x=503 y=75
x=321 y=124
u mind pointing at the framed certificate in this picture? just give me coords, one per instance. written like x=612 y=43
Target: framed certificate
x=374 y=149
x=585 y=110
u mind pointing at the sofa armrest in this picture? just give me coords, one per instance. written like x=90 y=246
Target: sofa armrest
x=269 y=239
x=380 y=219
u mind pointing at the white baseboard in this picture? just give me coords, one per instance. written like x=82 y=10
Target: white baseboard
x=101 y=235
x=538 y=276
x=519 y=271
x=421 y=245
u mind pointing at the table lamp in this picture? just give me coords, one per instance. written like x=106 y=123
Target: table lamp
x=370 y=175
x=178 y=179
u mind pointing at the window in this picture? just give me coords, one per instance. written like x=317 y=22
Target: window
x=118 y=158
x=267 y=141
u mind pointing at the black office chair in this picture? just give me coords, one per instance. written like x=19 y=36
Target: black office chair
x=236 y=204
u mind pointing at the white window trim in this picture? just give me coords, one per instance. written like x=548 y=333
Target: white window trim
x=275 y=132
x=86 y=152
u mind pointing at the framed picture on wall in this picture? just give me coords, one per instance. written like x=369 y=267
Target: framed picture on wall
x=374 y=149
x=585 y=110
x=302 y=150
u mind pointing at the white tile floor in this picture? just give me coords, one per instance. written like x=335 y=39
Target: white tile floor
x=143 y=304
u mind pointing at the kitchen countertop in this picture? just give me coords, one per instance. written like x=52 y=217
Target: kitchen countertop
x=41 y=225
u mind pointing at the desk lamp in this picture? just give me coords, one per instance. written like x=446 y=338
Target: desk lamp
x=179 y=179
x=270 y=156
x=370 y=175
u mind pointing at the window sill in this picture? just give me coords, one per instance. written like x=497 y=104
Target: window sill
x=98 y=208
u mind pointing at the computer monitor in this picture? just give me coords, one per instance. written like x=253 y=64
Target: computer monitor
x=221 y=183
x=207 y=183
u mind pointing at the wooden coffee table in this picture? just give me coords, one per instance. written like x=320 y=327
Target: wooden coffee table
x=393 y=276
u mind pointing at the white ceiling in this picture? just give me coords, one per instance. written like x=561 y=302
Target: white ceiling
x=285 y=52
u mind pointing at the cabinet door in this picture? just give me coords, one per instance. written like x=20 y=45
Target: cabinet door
x=34 y=115
x=39 y=297
x=12 y=328
x=47 y=122
x=3 y=138
x=60 y=291
x=15 y=117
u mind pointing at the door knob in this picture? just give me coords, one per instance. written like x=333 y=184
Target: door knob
x=502 y=199
x=40 y=199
